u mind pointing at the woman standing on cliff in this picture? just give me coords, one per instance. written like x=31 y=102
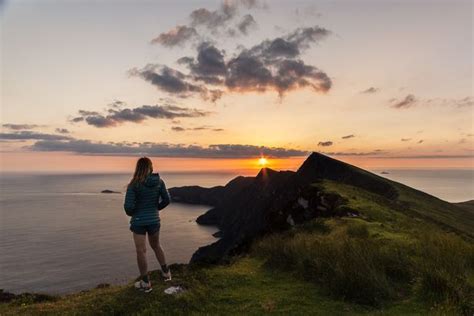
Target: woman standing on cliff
x=146 y=195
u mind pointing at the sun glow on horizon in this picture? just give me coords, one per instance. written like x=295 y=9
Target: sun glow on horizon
x=263 y=162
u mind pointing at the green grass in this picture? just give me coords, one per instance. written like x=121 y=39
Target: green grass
x=390 y=260
x=243 y=287
x=450 y=216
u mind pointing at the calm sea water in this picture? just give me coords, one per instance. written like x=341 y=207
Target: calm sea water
x=453 y=185
x=58 y=234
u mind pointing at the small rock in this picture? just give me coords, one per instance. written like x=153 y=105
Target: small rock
x=303 y=202
x=290 y=220
x=174 y=290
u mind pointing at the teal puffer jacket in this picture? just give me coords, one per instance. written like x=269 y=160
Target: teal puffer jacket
x=144 y=200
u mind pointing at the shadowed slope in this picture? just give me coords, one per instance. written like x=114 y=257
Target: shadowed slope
x=248 y=207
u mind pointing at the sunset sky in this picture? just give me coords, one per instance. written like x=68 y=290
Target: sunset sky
x=213 y=85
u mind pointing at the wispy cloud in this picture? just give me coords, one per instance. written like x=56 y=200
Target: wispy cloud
x=198 y=128
x=176 y=36
x=246 y=24
x=344 y=153
x=212 y=22
x=325 y=143
x=17 y=127
x=348 y=136
x=217 y=20
x=409 y=101
x=62 y=131
x=456 y=102
x=30 y=135
x=428 y=156
x=370 y=90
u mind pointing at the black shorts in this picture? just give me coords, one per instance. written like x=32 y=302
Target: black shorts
x=143 y=230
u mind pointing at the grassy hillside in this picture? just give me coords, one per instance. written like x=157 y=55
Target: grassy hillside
x=243 y=287
x=411 y=256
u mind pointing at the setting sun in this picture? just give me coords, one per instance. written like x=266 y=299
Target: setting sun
x=263 y=161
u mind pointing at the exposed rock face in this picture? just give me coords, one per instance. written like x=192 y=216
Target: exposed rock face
x=6 y=297
x=248 y=207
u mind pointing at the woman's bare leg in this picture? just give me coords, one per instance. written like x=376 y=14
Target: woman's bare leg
x=154 y=241
x=140 y=246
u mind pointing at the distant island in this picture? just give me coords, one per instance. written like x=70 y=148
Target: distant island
x=109 y=191
x=327 y=238
x=385 y=172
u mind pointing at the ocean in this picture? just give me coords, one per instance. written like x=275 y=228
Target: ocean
x=59 y=234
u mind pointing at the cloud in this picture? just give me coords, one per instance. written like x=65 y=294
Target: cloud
x=272 y=65
x=290 y=45
x=459 y=102
x=405 y=139
x=325 y=144
x=166 y=150
x=343 y=153
x=209 y=65
x=174 y=82
x=370 y=90
x=250 y=73
x=178 y=129
x=76 y=119
x=407 y=102
x=118 y=116
x=176 y=36
x=428 y=156
x=17 y=127
x=198 y=128
x=410 y=100
x=420 y=141
x=62 y=130
x=246 y=24
x=166 y=79
x=30 y=135
x=467 y=101
x=215 y=21
x=348 y=136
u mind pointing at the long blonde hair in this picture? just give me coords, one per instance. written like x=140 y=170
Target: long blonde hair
x=142 y=171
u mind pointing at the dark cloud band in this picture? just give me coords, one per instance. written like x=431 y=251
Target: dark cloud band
x=117 y=115
x=17 y=127
x=165 y=150
x=30 y=135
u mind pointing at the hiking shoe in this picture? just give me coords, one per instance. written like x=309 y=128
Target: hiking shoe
x=143 y=286
x=167 y=275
